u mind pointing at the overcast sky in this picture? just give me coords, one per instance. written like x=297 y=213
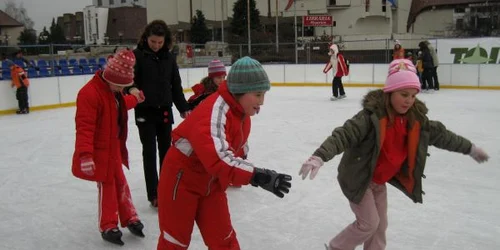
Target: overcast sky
x=42 y=11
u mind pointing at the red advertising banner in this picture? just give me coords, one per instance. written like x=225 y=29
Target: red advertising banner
x=317 y=21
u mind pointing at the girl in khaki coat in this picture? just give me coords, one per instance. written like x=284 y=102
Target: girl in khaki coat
x=386 y=142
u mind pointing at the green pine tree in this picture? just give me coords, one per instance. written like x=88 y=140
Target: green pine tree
x=239 y=22
x=56 y=33
x=27 y=37
x=199 y=31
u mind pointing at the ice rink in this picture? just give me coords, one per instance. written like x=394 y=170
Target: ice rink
x=43 y=206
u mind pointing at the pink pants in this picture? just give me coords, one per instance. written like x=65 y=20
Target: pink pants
x=115 y=202
x=370 y=224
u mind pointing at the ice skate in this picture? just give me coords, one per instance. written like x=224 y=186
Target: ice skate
x=136 y=228
x=113 y=235
x=333 y=98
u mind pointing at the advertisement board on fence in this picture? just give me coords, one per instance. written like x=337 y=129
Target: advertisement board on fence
x=317 y=21
x=469 y=51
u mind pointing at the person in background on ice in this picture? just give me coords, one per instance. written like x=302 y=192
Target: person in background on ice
x=398 y=51
x=19 y=79
x=386 y=142
x=100 y=146
x=339 y=67
x=420 y=67
x=207 y=154
x=157 y=75
x=428 y=66
x=209 y=84
x=435 y=61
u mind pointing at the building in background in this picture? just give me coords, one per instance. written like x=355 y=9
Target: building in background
x=73 y=27
x=95 y=20
x=118 y=3
x=10 y=29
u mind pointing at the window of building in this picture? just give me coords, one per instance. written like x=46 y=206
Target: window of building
x=99 y=2
x=111 y=2
x=123 y=1
x=367 y=5
x=332 y=2
x=384 y=3
x=459 y=24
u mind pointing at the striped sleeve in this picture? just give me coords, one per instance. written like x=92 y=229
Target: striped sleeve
x=215 y=152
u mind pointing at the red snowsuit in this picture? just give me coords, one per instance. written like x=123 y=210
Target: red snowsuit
x=101 y=133
x=207 y=153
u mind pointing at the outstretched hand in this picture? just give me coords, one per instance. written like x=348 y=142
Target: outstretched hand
x=312 y=165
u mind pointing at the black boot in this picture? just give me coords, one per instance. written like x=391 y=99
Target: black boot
x=136 y=228
x=113 y=235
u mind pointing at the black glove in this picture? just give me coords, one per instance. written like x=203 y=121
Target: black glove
x=276 y=183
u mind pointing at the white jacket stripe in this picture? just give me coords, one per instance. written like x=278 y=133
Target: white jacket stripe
x=218 y=132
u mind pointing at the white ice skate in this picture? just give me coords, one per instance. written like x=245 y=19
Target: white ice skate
x=333 y=98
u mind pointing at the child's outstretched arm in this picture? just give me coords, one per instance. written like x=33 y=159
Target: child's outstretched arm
x=443 y=138
x=347 y=136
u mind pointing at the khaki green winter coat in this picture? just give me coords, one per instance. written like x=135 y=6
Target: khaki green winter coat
x=361 y=137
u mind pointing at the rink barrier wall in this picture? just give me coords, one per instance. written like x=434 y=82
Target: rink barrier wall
x=55 y=92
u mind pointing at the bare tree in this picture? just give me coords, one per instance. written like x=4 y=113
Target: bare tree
x=19 y=13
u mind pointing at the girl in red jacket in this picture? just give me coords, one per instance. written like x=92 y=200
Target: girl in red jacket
x=208 y=152
x=340 y=68
x=100 y=150
x=209 y=84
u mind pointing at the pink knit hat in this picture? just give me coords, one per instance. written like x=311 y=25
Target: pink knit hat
x=120 y=68
x=216 y=68
x=402 y=75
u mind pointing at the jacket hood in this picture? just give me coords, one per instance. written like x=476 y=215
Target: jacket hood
x=374 y=102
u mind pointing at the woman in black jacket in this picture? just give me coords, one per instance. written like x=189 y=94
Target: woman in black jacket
x=157 y=76
x=428 y=65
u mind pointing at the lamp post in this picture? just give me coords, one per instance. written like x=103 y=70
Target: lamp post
x=6 y=38
x=43 y=38
x=248 y=28
x=181 y=35
x=295 y=28
x=120 y=37
x=106 y=39
x=77 y=39
x=94 y=36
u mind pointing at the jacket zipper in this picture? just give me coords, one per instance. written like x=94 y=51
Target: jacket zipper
x=179 y=175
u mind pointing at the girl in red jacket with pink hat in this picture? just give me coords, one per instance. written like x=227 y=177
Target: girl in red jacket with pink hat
x=100 y=150
x=209 y=84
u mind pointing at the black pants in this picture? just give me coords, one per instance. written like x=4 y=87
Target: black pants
x=337 y=87
x=155 y=130
x=435 y=78
x=22 y=98
x=427 y=79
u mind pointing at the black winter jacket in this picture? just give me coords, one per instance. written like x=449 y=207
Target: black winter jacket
x=157 y=75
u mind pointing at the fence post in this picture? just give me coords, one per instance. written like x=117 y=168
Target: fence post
x=478 y=75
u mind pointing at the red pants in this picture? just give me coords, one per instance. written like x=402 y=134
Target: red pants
x=115 y=201
x=182 y=200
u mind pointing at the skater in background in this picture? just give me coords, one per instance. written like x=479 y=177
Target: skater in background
x=428 y=66
x=209 y=84
x=157 y=75
x=398 y=52
x=339 y=67
x=19 y=80
x=208 y=154
x=420 y=67
x=386 y=142
x=435 y=61
x=100 y=146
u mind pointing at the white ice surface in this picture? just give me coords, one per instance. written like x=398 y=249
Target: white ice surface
x=42 y=206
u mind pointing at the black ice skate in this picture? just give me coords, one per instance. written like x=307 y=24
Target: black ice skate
x=136 y=228
x=113 y=235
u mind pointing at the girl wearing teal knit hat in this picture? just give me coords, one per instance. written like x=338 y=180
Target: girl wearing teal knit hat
x=209 y=153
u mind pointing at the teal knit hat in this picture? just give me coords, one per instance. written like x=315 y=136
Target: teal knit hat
x=247 y=75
